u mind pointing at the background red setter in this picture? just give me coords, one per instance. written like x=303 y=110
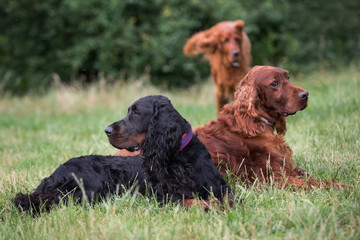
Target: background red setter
x=228 y=49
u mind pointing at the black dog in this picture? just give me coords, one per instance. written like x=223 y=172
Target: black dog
x=173 y=162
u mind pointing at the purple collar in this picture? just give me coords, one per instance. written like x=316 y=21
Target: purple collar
x=186 y=138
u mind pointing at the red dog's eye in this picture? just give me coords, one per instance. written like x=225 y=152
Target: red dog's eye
x=226 y=40
x=274 y=84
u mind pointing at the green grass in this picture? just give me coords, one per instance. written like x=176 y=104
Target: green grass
x=38 y=133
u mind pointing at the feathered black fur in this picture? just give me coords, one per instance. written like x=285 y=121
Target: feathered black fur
x=98 y=176
x=156 y=128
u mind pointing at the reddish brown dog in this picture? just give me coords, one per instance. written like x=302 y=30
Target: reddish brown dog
x=247 y=137
x=228 y=49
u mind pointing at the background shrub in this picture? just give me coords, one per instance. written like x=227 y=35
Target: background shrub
x=131 y=37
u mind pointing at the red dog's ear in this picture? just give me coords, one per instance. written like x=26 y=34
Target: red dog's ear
x=246 y=98
x=201 y=42
x=246 y=112
x=239 y=25
x=246 y=94
x=208 y=44
x=245 y=108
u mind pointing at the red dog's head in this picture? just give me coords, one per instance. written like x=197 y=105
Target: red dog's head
x=224 y=38
x=228 y=41
x=266 y=93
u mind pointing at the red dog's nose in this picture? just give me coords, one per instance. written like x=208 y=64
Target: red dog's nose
x=303 y=95
x=235 y=53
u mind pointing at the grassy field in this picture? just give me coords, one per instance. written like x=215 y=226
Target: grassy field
x=38 y=133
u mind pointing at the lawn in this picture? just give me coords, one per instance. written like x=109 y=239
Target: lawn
x=40 y=132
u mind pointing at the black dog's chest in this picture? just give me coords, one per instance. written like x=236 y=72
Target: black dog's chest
x=177 y=181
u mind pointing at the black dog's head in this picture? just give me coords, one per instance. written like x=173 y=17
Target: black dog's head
x=176 y=162
x=152 y=125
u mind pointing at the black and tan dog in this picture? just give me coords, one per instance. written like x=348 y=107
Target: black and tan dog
x=173 y=163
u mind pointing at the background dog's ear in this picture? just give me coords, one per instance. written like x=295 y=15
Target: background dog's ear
x=208 y=44
x=201 y=42
x=163 y=138
x=245 y=108
x=239 y=25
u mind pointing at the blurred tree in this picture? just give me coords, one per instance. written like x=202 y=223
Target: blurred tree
x=79 y=39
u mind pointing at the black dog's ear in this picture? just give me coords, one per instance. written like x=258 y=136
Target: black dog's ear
x=163 y=138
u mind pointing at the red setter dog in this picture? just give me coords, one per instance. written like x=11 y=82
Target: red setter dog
x=242 y=139
x=228 y=49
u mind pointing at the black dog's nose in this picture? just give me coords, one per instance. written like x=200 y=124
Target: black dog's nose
x=109 y=130
x=303 y=95
x=235 y=53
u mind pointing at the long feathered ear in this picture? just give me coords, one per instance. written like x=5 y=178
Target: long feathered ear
x=201 y=42
x=239 y=25
x=163 y=138
x=245 y=108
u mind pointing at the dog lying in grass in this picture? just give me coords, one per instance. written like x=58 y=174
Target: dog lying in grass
x=247 y=139
x=174 y=166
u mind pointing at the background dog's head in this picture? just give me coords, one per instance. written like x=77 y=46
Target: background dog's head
x=225 y=38
x=229 y=39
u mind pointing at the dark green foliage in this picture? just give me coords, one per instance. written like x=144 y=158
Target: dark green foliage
x=301 y=34
x=83 y=38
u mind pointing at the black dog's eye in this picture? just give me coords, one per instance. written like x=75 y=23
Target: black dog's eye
x=133 y=108
x=274 y=84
